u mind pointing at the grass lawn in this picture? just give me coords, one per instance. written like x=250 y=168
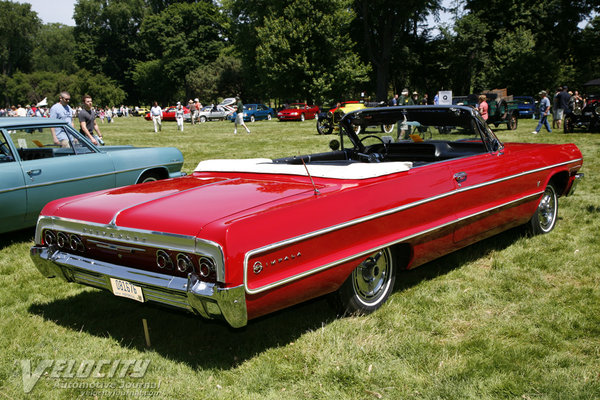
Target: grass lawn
x=512 y=317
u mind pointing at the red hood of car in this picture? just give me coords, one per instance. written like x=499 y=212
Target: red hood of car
x=181 y=206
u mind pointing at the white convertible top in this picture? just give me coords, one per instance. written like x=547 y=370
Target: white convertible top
x=266 y=166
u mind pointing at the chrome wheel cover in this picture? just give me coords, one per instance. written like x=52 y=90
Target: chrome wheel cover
x=547 y=210
x=371 y=280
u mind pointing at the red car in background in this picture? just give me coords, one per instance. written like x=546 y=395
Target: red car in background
x=298 y=112
x=169 y=114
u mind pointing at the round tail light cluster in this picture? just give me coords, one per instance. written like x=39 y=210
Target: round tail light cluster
x=49 y=238
x=207 y=266
x=184 y=263
x=163 y=260
x=64 y=241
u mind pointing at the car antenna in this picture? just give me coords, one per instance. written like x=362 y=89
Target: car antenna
x=311 y=179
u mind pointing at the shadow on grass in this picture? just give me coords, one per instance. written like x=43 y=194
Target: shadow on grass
x=9 y=238
x=452 y=261
x=212 y=344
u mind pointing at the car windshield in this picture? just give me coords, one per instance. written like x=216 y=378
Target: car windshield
x=421 y=124
x=296 y=106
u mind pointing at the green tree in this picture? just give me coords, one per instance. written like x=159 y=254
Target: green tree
x=300 y=49
x=28 y=88
x=20 y=26
x=106 y=36
x=176 y=42
x=217 y=80
x=55 y=49
x=390 y=38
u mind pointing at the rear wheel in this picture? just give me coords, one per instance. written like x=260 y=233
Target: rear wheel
x=324 y=126
x=150 y=176
x=544 y=219
x=568 y=125
x=369 y=285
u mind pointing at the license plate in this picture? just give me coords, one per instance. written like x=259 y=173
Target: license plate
x=126 y=289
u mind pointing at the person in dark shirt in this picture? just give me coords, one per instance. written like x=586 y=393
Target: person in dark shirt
x=563 y=104
x=87 y=121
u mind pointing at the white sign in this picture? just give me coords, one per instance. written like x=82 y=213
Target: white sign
x=445 y=97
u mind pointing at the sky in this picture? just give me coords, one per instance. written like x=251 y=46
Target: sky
x=53 y=10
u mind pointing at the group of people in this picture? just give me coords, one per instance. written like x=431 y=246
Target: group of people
x=408 y=100
x=27 y=111
x=194 y=107
x=62 y=110
x=563 y=101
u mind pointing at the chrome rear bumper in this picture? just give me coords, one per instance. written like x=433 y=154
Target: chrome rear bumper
x=191 y=294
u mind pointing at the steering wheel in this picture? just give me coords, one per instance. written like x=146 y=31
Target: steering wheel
x=375 y=157
x=4 y=149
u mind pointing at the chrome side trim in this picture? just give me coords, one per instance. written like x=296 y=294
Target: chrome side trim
x=80 y=178
x=130 y=237
x=363 y=253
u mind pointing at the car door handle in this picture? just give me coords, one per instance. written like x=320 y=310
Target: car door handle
x=460 y=177
x=34 y=172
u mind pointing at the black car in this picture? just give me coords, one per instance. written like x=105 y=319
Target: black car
x=587 y=118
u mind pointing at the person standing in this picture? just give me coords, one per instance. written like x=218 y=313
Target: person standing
x=197 y=108
x=179 y=116
x=192 y=108
x=563 y=104
x=87 y=121
x=544 y=111
x=239 y=118
x=555 y=107
x=63 y=111
x=483 y=106
x=405 y=99
x=156 y=114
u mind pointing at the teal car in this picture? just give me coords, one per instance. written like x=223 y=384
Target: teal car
x=34 y=170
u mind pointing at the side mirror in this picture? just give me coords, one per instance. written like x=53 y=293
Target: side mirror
x=334 y=145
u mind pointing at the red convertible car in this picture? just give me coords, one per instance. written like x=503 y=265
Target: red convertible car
x=169 y=114
x=238 y=239
x=298 y=112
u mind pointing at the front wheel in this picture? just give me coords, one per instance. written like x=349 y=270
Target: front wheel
x=387 y=128
x=252 y=119
x=269 y=117
x=513 y=122
x=324 y=126
x=369 y=285
x=302 y=118
x=544 y=219
x=202 y=119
